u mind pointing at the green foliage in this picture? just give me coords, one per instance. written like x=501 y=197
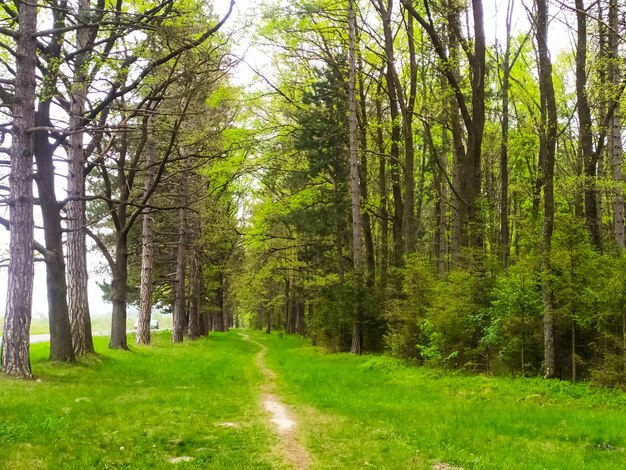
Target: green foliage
x=407 y=316
x=513 y=320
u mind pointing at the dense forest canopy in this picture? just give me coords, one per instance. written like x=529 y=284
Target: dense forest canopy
x=396 y=179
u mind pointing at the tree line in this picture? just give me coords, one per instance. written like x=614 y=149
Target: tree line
x=398 y=183
x=127 y=106
x=428 y=193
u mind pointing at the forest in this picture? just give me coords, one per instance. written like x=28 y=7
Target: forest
x=388 y=177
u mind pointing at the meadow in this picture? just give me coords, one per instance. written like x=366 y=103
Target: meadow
x=197 y=405
x=193 y=403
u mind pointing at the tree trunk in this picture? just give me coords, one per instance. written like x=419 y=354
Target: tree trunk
x=194 y=327
x=585 y=137
x=505 y=248
x=147 y=253
x=355 y=190
x=615 y=131
x=58 y=315
x=181 y=264
x=15 y=341
x=466 y=229
x=218 y=318
x=119 y=288
x=367 y=220
x=547 y=149
x=410 y=222
x=472 y=169
x=288 y=311
x=394 y=161
x=382 y=191
x=77 y=273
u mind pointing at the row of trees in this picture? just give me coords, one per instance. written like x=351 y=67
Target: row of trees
x=130 y=103
x=444 y=198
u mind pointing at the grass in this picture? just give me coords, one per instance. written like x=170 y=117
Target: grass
x=369 y=411
x=139 y=409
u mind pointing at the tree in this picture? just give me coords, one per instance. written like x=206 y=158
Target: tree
x=355 y=190
x=15 y=341
x=547 y=152
x=473 y=113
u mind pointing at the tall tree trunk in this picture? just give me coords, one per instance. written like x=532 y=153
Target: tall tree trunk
x=547 y=149
x=77 y=273
x=394 y=97
x=355 y=190
x=60 y=331
x=472 y=173
x=394 y=170
x=615 y=132
x=226 y=314
x=441 y=187
x=15 y=341
x=410 y=220
x=585 y=137
x=382 y=192
x=288 y=305
x=147 y=253
x=218 y=318
x=505 y=248
x=194 y=329
x=466 y=212
x=181 y=261
x=119 y=290
x=58 y=316
x=367 y=220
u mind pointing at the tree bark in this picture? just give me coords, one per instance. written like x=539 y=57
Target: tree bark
x=615 y=131
x=547 y=150
x=394 y=161
x=77 y=272
x=218 y=318
x=585 y=137
x=147 y=252
x=505 y=248
x=15 y=341
x=382 y=191
x=181 y=261
x=466 y=213
x=355 y=190
x=367 y=220
x=119 y=292
x=58 y=315
x=194 y=329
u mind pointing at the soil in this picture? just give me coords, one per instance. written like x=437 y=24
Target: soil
x=280 y=417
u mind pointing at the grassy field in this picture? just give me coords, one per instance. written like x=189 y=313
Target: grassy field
x=140 y=409
x=374 y=412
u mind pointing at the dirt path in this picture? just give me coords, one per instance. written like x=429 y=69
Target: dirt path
x=281 y=418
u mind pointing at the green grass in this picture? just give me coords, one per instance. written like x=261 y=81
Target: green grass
x=375 y=412
x=138 y=409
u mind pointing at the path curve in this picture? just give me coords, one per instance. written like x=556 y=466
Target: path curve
x=281 y=418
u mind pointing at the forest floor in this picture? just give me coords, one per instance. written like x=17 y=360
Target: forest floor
x=247 y=400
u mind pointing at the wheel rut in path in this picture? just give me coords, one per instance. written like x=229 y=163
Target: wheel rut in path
x=281 y=418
